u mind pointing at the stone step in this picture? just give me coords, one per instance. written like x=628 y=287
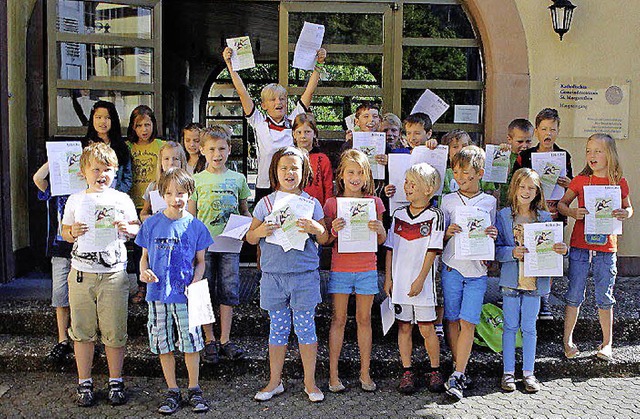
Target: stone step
x=28 y=354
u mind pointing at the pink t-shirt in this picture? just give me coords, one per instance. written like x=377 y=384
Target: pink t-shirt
x=350 y=262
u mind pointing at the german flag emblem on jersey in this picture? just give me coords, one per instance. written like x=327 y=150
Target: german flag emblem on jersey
x=412 y=231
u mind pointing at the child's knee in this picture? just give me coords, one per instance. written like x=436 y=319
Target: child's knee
x=279 y=327
x=339 y=320
x=363 y=319
x=405 y=328
x=305 y=326
x=427 y=329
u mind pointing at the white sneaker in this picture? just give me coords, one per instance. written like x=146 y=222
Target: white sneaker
x=263 y=396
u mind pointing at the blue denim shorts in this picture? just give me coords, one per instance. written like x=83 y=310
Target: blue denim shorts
x=299 y=290
x=364 y=283
x=604 y=269
x=222 y=271
x=60 y=268
x=463 y=297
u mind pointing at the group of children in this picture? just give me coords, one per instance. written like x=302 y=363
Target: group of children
x=196 y=194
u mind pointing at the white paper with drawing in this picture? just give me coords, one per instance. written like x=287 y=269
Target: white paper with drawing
x=472 y=243
x=287 y=209
x=64 y=167
x=541 y=259
x=230 y=240
x=356 y=236
x=99 y=217
x=436 y=158
x=431 y=104
x=550 y=166
x=199 y=304
x=157 y=202
x=242 y=56
x=398 y=165
x=371 y=144
x=601 y=201
x=309 y=42
x=496 y=166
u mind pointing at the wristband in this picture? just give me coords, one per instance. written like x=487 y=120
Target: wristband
x=319 y=64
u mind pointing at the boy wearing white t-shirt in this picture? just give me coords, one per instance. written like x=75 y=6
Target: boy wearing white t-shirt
x=273 y=130
x=97 y=221
x=464 y=282
x=414 y=241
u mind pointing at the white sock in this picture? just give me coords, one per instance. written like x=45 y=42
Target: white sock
x=527 y=373
x=85 y=380
x=457 y=374
x=119 y=379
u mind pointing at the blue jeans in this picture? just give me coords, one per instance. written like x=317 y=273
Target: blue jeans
x=603 y=266
x=520 y=312
x=223 y=273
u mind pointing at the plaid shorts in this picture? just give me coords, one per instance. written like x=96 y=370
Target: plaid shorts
x=160 y=325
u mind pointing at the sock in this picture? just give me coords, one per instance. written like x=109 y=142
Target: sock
x=119 y=380
x=527 y=373
x=457 y=374
x=405 y=369
x=85 y=380
x=439 y=328
x=197 y=387
x=510 y=372
x=174 y=390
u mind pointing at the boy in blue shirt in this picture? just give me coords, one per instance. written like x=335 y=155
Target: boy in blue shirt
x=173 y=247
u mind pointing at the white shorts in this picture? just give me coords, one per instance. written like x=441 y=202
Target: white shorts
x=415 y=314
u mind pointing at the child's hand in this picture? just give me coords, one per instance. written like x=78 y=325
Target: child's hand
x=348 y=135
x=564 y=181
x=505 y=147
x=338 y=224
x=78 y=229
x=310 y=226
x=124 y=227
x=416 y=287
x=579 y=213
x=148 y=276
x=453 y=229
x=518 y=252
x=377 y=226
x=322 y=55
x=388 y=286
x=266 y=229
x=431 y=143
x=560 y=248
x=226 y=54
x=382 y=159
x=621 y=214
x=491 y=231
x=390 y=190
x=196 y=280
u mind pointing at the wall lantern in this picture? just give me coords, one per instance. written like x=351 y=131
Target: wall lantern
x=561 y=14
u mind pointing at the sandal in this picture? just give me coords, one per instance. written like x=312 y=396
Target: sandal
x=572 y=352
x=140 y=295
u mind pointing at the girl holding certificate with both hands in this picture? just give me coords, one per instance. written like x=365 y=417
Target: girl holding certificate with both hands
x=521 y=294
x=598 y=250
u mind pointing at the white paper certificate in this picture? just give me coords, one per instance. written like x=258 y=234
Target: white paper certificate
x=230 y=240
x=431 y=104
x=157 y=202
x=398 y=165
x=388 y=314
x=601 y=201
x=541 y=260
x=64 y=167
x=436 y=158
x=371 y=144
x=287 y=209
x=496 y=166
x=472 y=243
x=309 y=42
x=99 y=217
x=242 y=56
x=199 y=304
x=356 y=236
x=550 y=166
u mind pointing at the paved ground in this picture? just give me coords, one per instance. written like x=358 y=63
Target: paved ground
x=51 y=395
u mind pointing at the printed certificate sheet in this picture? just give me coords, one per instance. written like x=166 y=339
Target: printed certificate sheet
x=157 y=202
x=371 y=144
x=309 y=42
x=287 y=209
x=541 y=260
x=388 y=314
x=242 y=57
x=64 y=167
x=496 y=166
x=601 y=201
x=436 y=158
x=472 y=243
x=230 y=240
x=356 y=236
x=431 y=104
x=199 y=304
x=398 y=165
x=550 y=166
x=99 y=218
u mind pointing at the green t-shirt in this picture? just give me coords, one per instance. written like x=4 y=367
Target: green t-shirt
x=504 y=187
x=450 y=185
x=218 y=195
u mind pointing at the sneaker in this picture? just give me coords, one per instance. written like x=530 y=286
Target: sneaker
x=171 y=403
x=117 y=396
x=435 y=381
x=508 y=382
x=231 y=351
x=455 y=386
x=210 y=354
x=545 y=309
x=59 y=352
x=84 y=394
x=407 y=384
x=531 y=384
x=197 y=402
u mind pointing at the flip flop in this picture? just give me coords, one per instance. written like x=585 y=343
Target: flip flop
x=572 y=352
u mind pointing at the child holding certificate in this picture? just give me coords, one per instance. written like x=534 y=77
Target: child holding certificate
x=353 y=272
x=521 y=294
x=173 y=247
x=598 y=250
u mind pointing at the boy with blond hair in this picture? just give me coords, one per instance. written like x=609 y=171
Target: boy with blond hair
x=98 y=282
